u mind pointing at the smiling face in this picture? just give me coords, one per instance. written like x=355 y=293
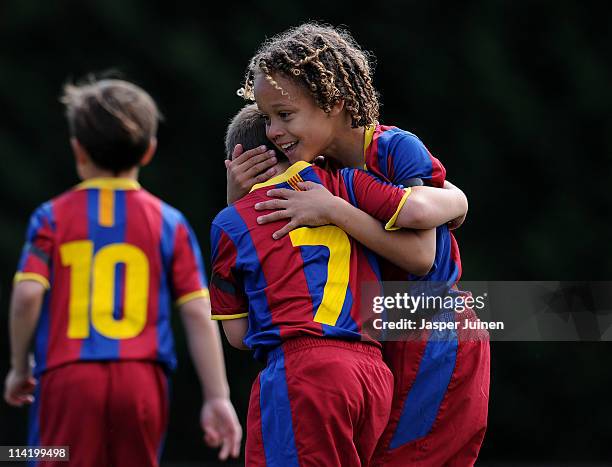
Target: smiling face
x=294 y=122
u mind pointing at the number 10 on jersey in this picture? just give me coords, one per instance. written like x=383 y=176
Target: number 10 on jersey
x=92 y=287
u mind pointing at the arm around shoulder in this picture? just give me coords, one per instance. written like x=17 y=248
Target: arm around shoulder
x=428 y=207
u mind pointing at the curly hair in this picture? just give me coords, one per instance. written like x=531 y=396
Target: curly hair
x=324 y=59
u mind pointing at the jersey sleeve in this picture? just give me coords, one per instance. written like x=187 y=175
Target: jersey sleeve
x=381 y=200
x=227 y=297
x=188 y=277
x=35 y=261
x=405 y=159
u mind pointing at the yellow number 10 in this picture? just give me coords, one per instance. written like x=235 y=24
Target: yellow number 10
x=338 y=267
x=92 y=285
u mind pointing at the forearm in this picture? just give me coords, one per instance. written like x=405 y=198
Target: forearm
x=428 y=207
x=24 y=313
x=412 y=251
x=205 y=348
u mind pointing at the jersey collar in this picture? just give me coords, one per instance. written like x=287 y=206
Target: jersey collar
x=110 y=183
x=367 y=140
x=286 y=175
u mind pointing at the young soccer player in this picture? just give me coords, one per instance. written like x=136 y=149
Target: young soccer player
x=101 y=266
x=297 y=302
x=319 y=74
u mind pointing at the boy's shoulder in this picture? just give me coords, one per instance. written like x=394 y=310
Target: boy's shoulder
x=393 y=135
x=80 y=195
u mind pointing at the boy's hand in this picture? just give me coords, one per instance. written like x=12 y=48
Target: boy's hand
x=248 y=168
x=18 y=388
x=221 y=427
x=314 y=206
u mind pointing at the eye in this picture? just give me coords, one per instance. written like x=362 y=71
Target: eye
x=267 y=120
x=284 y=115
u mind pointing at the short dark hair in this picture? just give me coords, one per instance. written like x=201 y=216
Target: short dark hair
x=248 y=128
x=114 y=120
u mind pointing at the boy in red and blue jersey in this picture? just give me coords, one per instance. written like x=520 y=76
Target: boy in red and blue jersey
x=441 y=378
x=101 y=267
x=323 y=398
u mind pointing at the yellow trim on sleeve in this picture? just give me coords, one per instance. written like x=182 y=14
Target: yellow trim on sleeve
x=32 y=276
x=391 y=224
x=285 y=176
x=110 y=183
x=226 y=317
x=203 y=293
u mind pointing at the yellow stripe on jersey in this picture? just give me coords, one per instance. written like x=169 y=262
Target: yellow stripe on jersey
x=225 y=317
x=286 y=175
x=32 y=276
x=391 y=224
x=203 y=293
x=369 y=135
x=106 y=207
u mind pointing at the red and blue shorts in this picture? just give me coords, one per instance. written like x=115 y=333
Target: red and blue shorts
x=440 y=397
x=108 y=413
x=318 y=402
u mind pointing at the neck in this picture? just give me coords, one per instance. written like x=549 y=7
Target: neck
x=92 y=171
x=347 y=147
x=283 y=166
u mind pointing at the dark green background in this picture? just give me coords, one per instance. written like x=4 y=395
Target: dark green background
x=513 y=97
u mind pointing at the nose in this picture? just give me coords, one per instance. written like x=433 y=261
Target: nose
x=274 y=130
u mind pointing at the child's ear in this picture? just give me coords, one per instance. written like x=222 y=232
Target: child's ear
x=80 y=154
x=148 y=155
x=337 y=108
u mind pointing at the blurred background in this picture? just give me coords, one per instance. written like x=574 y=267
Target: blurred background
x=515 y=98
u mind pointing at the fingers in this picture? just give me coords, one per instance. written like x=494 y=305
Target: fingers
x=285 y=230
x=226 y=447
x=248 y=168
x=280 y=193
x=212 y=437
x=273 y=217
x=307 y=186
x=11 y=400
x=18 y=400
x=267 y=175
x=237 y=151
x=276 y=203
x=260 y=152
x=231 y=442
x=260 y=163
x=236 y=439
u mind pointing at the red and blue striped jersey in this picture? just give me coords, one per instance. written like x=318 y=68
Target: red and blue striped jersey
x=113 y=257
x=400 y=157
x=310 y=281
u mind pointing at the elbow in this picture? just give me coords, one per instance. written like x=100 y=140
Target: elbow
x=235 y=331
x=414 y=215
x=425 y=255
x=237 y=343
x=463 y=206
x=27 y=295
x=418 y=262
x=425 y=262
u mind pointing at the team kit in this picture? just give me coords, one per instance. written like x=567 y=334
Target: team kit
x=322 y=199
